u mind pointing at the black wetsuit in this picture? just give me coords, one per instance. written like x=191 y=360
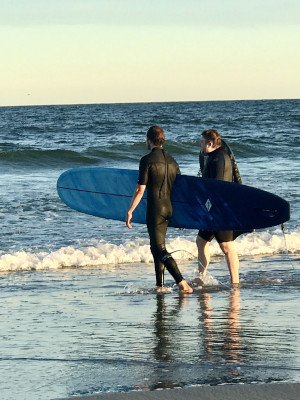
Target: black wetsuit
x=158 y=172
x=220 y=164
x=225 y=167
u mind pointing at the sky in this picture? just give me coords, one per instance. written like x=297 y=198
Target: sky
x=119 y=51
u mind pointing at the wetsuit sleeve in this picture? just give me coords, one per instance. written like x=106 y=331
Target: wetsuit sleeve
x=143 y=172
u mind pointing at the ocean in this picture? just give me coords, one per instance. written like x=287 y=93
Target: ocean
x=79 y=312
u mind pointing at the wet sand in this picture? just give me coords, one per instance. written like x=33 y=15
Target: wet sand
x=271 y=391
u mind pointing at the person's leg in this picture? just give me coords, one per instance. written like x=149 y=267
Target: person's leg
x=160 y=252
x=157 y=235
x=232 y=260
x=159 y=269
x=203 y=254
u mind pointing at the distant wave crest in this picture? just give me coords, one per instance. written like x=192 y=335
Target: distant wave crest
x=44 y=158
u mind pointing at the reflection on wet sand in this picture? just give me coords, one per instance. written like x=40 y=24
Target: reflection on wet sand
x=221 y=335
x=163 y=345
x=232 y=344
x=161 y=331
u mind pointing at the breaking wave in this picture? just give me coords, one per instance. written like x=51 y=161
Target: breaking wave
x=101 y=254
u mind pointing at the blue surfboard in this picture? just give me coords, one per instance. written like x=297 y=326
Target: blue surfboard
x=198 y=203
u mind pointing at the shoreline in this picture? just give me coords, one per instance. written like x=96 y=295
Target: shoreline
x=259 y=391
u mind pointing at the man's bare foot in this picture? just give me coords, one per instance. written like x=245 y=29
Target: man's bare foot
x=185 y=287
x=161 y=289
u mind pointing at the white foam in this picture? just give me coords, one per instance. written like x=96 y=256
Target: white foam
x=266 y=242
x=207 y=280
x=106 y=254
x=102 y=254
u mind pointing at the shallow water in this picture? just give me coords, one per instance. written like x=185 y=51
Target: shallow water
x=84 y=331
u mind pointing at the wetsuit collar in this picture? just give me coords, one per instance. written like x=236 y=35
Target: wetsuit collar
x=214 y=151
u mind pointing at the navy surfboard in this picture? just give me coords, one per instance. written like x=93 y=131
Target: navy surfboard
x=198 y=203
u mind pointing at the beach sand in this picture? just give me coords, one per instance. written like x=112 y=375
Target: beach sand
x=266 y=391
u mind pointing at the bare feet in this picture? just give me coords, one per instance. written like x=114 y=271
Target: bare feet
x=161 y=289
x=184 y=287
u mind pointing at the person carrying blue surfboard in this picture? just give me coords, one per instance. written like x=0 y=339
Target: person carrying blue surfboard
x=157 y=173
x=217 y=161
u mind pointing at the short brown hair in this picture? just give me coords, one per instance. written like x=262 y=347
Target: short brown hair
x=156 y=135
x=212 y=135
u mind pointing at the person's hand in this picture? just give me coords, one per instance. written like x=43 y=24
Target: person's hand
x=128 y=220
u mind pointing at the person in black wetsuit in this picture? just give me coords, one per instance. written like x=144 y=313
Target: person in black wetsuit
x=217 y=162
x=157 y=173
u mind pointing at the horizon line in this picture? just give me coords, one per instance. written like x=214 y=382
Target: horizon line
x=144 y=102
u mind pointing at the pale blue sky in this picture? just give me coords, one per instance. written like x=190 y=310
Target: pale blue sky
x=98 y=51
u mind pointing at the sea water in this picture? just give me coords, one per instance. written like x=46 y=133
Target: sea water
x=79 y=314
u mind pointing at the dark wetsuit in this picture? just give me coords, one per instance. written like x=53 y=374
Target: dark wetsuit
x=224 y=170
x=220 y=164
x=158 y=172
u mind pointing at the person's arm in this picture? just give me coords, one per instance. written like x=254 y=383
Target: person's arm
x=136 y=198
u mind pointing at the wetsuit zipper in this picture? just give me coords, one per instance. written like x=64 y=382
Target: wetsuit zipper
x=164 y=180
